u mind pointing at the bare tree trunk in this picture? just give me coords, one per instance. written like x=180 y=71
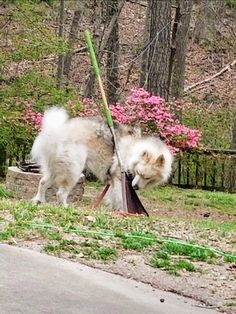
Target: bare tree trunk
x=231 y=177
x=3 y=159
x=112 y=73
x=179 y=46
x=233 y=142
x=158 y=54
x=205 y=29
x=72 y=39
x=96 y=20
x=144 y=62
x=60 y=66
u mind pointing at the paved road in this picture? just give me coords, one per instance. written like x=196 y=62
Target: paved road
x=35 y=283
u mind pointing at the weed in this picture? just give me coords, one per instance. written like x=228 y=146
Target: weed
x=63 y=245
x=162 y=260
x=195 y=252
x=138 y=240
x=229 y=258
x=106 y=253
x=161 y=263
x=230 y=304
x=4 y=193
x=184 y=264
x=51 y=235
x=95 y=250
x=5 y=234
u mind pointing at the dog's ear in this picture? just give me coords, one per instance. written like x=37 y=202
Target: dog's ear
x=160 y=161
x=130 y=130
x=146 y=156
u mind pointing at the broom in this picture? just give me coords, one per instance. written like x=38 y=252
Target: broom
x=130 y=201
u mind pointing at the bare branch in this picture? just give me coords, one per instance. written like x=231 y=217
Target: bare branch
x=226 y=68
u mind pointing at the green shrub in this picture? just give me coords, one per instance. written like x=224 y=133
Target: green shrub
x=231 y=3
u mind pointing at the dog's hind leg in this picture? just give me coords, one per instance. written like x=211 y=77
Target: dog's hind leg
x=68 y=181
x=66 y=186
x=44 y=184
x=69 y=170
x=62 y=194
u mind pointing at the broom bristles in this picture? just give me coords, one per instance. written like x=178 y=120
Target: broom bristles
x=134 y=205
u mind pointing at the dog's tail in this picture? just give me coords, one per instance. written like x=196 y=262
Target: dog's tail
x=45 y=144
x=54 y=120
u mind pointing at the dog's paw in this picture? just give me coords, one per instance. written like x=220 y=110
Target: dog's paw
x=82 y=178
x=36 y=201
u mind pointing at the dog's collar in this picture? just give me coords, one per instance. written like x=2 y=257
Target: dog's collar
x=129 y=174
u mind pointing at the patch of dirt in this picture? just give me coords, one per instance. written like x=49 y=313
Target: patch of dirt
x=196 y=213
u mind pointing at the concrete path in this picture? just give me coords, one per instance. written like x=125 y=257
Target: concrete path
x=35 y=283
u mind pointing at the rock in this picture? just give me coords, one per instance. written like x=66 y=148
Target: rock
x=91 y=218
x=24 y=185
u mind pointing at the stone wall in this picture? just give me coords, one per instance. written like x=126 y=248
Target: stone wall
x=24 y=185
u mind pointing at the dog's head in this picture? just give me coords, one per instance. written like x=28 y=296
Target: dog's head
x=149 y=170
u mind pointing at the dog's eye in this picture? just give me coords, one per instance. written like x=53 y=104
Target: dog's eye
x=146 y=178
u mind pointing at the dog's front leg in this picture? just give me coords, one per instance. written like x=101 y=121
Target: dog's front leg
x=113 y=198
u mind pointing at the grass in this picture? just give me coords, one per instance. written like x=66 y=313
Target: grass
x=185 y=199
x=82 y=232
x=3 y=192
x=222 y=226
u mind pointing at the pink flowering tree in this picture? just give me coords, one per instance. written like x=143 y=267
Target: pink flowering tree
x=152 y=113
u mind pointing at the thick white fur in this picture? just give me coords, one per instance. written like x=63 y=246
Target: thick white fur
x=65 y=147
x=54 y=122
x=132 y=150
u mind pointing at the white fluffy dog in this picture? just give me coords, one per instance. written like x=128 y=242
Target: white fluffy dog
x=66 y=147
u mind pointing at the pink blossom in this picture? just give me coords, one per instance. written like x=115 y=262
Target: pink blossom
x=31 y=117
x=147 y=108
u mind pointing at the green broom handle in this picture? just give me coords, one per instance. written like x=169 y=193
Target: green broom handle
x=107 y=114
x=105 y=104
x=97 y=73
